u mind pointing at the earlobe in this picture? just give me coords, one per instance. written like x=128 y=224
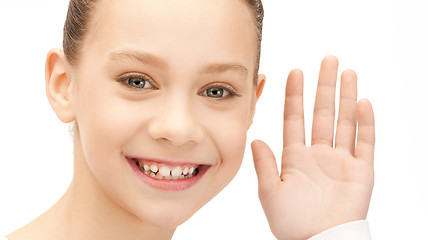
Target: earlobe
x=58 y=85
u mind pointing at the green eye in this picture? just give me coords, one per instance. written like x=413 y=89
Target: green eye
x=137 y=82
x=216 y=92
x=219 y=91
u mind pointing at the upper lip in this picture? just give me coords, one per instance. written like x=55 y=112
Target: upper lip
x=164 y=162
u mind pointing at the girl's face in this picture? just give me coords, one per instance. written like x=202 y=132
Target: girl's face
x=163 y=89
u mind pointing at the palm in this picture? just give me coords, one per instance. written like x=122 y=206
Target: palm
x=319 y=186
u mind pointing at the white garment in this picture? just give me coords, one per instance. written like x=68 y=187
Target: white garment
x=357 y=230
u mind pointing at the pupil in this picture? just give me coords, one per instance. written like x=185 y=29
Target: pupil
x=137 y=82
x=216 y=92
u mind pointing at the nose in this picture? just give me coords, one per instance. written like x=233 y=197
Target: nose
x=176 y=123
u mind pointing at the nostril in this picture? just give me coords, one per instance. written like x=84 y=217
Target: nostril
x=176 y=126
x=177 y=137
x=178 y=140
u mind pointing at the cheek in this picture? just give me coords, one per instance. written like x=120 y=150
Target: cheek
x=232 y=141
x=106 y=120
x=232 y=153
x=105 y=124
x=229 y=135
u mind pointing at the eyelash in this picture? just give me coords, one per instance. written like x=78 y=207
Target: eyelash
x=223 y=86
x=124 y=79
x=231 y=92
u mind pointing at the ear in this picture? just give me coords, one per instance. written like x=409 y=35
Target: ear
x=58 y=85
x=261 y=80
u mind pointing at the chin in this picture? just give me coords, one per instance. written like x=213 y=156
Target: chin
x=166 y=217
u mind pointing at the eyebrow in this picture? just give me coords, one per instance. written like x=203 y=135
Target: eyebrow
x=145 y=58
x=150 y=59
x=225 y=67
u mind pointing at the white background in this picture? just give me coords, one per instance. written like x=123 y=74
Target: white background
x=384 y=41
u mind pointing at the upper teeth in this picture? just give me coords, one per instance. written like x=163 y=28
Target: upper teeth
x=164 y=172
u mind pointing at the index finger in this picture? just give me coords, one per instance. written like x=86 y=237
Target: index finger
x=366 y=132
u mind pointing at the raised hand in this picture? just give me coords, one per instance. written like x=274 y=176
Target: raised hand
x=320 y=186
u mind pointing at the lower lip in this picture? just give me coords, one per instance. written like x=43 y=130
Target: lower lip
x=169 y=185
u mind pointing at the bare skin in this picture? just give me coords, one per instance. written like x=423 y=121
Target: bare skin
x=167 y=82
x=77 y=216
x=321 y=186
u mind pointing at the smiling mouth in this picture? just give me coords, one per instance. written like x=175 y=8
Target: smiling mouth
x=169 y=176
x=163 y=172
x=168 y=171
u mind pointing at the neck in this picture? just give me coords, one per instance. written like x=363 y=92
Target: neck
x=87 y=212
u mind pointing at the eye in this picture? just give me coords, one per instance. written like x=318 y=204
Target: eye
x=216 y=92
x=137 y=82
x=219 y=91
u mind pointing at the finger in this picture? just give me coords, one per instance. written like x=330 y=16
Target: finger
x=265 y=165
x=366 y=132
x=323 y=122
x=294 y=122
x=347 y=119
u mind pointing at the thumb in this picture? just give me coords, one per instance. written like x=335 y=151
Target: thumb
x=265 y=165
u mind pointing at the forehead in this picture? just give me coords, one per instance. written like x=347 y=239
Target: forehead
x=213 y=29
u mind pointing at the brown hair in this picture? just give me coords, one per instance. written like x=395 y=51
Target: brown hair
x=80 y=11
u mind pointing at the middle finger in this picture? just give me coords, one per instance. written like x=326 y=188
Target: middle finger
x=324 y=110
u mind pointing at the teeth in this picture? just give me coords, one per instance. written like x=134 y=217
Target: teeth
x=176 y=172
x=165 y=173
x=158 y=176
x=146 y=168
x=153 y=168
